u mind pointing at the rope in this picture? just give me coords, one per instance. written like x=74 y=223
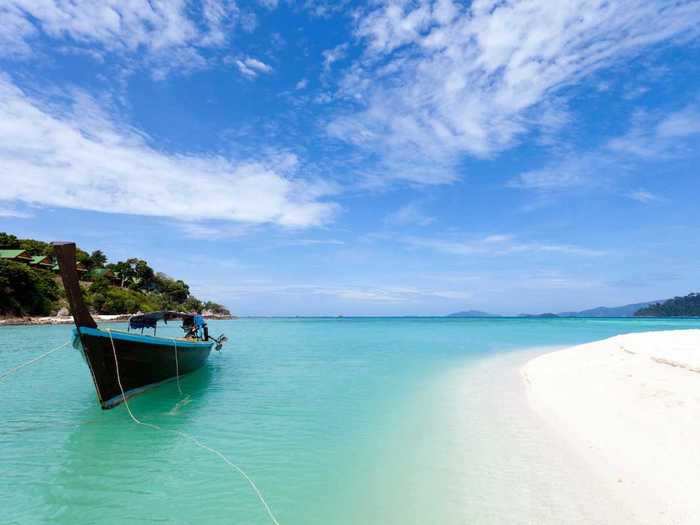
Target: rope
x=177 y=368
x=42 y=356
x=191 y=438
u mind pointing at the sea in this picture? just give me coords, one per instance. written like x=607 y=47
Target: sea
x=386 y=421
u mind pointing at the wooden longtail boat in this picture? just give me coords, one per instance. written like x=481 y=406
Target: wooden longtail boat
x=143 y=361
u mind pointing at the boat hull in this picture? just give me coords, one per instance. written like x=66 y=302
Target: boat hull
x=144 y=361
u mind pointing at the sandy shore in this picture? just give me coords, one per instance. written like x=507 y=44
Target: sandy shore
x=630 y=407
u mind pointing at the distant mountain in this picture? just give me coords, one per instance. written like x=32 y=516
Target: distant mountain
x=627 y=310
x=472 y=313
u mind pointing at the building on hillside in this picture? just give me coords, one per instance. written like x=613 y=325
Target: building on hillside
x=78 y=266
x=42 y=261
x=82 y=271
x=16 y=256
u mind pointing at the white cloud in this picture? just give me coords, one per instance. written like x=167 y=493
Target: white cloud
x=313 y=242
x=156 y=29
x=330 y=56
x=570 y=173
x=409 y=214
x=252 y=67
x=352 y=293
x=643 y=196
x=212 y=231
x=301 y=84
x=649 y=138
x=269 y=4
x=496 y=245
x=682 y=123
x=440 y=80
x=10 y=212
x=81 y=158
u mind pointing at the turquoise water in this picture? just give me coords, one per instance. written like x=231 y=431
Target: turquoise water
x=339 y=421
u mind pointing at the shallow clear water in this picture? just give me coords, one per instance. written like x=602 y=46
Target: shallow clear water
x=372 y=421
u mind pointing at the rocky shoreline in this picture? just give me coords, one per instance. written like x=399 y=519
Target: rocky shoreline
x=67 y=319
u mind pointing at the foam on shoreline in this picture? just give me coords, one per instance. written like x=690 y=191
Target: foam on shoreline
x=630 y=407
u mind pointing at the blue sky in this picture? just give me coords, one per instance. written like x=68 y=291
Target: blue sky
x=380 y=158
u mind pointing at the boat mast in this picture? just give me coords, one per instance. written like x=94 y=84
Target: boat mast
x=65 y=253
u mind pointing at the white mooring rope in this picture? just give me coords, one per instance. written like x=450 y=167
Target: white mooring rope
x=177 y=367
x=42 y=356
x=187 y=436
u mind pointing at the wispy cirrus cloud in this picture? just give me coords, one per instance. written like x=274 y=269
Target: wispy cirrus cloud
x=411 y=214
x=656 y=137
x=331 y=56
x=350 y=293
x=650 y=137
x=81 y=158
x=643 y=196
x=166 y=35
x=10 y=212
x=252 y=67
x=313 y=242
x=496 y=245
x=439 y=80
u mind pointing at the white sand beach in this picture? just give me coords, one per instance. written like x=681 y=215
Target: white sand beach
x=630 y=407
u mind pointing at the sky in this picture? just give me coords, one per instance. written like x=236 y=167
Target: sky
x=319 y=157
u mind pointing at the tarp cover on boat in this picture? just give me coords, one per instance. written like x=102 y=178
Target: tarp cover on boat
x=150 y=320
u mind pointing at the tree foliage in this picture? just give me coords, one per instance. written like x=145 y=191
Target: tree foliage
x=8 y=241
x=135 y=286
x=97 y=259
x=216 y=308
x=688 y=306
x=25 y=290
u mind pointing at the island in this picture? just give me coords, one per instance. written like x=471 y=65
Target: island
x=32 y=292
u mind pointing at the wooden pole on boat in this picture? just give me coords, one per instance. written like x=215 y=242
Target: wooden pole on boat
x=65 y=254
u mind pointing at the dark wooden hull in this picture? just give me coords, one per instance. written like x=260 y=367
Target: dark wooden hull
x=144 y=361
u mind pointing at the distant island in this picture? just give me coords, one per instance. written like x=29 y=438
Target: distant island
x=472 y=313
x=30 y=284
x=627 y=310
x=687 y=306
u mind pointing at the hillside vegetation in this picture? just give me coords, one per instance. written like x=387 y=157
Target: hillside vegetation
x=123 y=287
x=688 y=306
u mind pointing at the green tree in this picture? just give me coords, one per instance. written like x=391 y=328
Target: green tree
x=216 y=308
x=176 y=291
x=135 y=274
x=26 y=291
x=8 y=241
x=122 y=271
x=144 y=276
x=36 y=247
x=192 y=304
x=97 y=259
x=687 y=306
